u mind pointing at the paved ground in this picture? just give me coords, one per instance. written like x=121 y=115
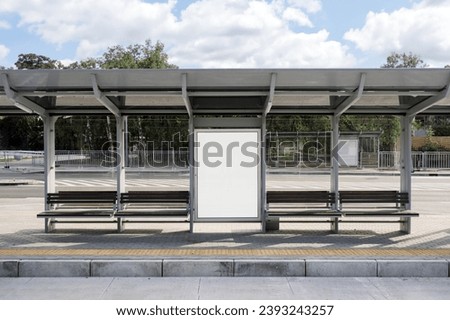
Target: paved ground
x=225 y=288
x=21 y=228
x=22 y=236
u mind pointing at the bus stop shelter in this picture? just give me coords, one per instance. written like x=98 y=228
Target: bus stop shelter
x=227 y=110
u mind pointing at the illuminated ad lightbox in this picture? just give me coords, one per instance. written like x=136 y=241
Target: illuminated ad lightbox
x=228 y=174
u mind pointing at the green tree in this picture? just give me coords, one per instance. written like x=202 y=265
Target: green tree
x=34 y=61
x=135 y=56
x=404 y=60
x=89 y=63
x=389 y=125
x=24 y=133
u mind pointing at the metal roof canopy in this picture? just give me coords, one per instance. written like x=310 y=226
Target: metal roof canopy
x=225 y=91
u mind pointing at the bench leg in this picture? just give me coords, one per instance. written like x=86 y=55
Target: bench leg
x=405 y=225
x=272 y=224
x=49 y=224
x=120 y=226
x=335 y=225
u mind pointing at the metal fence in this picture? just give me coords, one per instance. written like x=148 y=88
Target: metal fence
x=430 y=160
x=420 y=160
x=98 y=158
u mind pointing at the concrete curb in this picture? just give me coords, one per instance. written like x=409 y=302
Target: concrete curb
x=54 y=268
x=225 y=268
x=198 y=268
x=269 y=268
x=413 y=268
x=126 y=268
x=9 y=268
x=341 y=268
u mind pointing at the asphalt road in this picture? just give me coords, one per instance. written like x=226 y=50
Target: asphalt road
x=423 y=186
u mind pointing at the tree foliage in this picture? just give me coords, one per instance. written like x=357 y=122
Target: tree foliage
x=34 y=61
x=296 y=123
x=387 y=124
x=91 y=132
x=21 y=133
x=136 y=56
x=404 y=60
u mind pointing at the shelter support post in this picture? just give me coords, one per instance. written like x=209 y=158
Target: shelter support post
x=191 y=174
x=334 y=183
x=49 y=157
x=405 y=168
x=126 y=142
x=405 y=157
x=121 y=161
x=190 y=112
x=49 y=165
x=263 y=159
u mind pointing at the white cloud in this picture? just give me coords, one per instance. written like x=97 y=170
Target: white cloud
x=4 y=51
x=218 y=33
x=208 y=33
x=296 y=15
x=93 y=24
x=4 y=25
x=422 y=29
x=311 y=6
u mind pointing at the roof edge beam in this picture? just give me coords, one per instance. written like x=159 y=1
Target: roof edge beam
x=185 y=95
x=100 y=96
x=269 y=100
x=428 y=103
x=22 y=103
x=347 y=103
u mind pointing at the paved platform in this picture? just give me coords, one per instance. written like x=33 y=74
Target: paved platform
x=370 y=247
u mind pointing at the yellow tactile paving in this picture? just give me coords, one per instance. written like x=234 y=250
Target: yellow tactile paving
x=30 y=252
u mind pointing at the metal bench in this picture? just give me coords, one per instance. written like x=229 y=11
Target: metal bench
x=392 y=204
x=157 y=206
x=287 y=207
x=74 y=205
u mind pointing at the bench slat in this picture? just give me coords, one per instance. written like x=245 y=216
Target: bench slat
x=75 y=214
x=149 y=213
x=374 y=196
x=300 y=197
x=303 y=197
x=152 y=199
x=380 y=214
x=79 y=204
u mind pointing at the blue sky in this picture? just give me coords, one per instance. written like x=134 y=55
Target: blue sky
x=231 y=33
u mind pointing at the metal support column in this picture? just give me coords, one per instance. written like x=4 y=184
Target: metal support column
x=406 y=167
x=335 y=158
x=49 y=156
x=191 y=174
x=405 y=157
x=49 y=165
x=120 y=165
x=263 y=173
x=334 y=183
x=125 y=141
x=273 y=223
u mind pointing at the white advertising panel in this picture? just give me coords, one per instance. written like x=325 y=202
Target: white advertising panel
x=227 y=174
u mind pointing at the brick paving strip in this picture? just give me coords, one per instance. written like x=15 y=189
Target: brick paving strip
x=356 y=253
